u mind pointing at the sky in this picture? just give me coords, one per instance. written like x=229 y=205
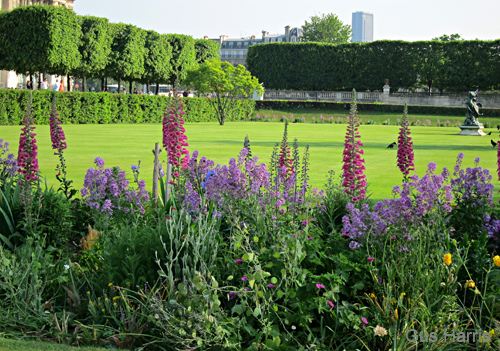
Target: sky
x=393 y=19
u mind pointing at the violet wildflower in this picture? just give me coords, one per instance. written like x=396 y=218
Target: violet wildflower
x=232 y=294
x=8 y=165
x=271 y=286
x=244 y=278
x=353 y=176
x=331 y=303
x=371 y=259
x=239 y=260
x=319 y=286
x=405 y=146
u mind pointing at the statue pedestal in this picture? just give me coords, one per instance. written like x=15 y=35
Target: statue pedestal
x=472 y=130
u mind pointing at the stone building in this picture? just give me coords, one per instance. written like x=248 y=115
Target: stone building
x=234 y=50
x=11 y=79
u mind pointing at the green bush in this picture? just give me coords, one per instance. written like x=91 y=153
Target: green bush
x=104 y=108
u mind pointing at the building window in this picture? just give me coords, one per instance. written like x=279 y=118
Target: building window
x=241 y=54
x=238 y=44
x=279 y=40
x=266 y=40
x=246 y=43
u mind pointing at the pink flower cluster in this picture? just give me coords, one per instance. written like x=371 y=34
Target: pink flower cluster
x=56 y=133
x=27 y=162
x=405 y=146
x=353 y=176
x=174 y=139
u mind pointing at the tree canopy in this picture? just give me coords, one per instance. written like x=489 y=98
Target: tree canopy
x=326 y=28
x=46 y=39
x=206 y=50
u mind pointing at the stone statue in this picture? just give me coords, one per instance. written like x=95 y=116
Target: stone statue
x=473 y=114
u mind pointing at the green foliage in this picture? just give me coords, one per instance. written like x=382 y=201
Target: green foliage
x=55 y=218
x=224 y=82
x=326 y=28
x=457 y=65
x=206 y=50
x=95 y=47
x=89 y=108
x=157 y=66
x=183 y=56
x=47 y=38
x=128 y=52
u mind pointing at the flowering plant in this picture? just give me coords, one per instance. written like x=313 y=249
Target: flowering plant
x=107 y=191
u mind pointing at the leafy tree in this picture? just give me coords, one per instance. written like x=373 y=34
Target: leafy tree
x=326 y=28
x=446 y=37
x=225 y=82
x=46 y=40
x=95 y=47
x=183 y=56
x=206 y=49
x=157 y=66
x=128 y=53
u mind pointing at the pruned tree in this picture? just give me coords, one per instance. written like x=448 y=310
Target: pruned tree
x=183 y=56
x=224 y=82
x=128 y=52
x=46 y=40
x=157 y=65
x=95 y=47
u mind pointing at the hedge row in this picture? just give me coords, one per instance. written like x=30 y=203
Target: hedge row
x=459 y=65
x=87 y=108
x=378 y=107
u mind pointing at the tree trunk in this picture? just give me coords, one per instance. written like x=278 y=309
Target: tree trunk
x=157 y=88
x=148 y=86
x=44 y=73
x=119 y=83
x=131 y=85
x=39 y=81
x=68 y=82
x=84 y=82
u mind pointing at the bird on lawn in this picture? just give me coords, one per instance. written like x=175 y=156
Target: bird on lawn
x=391 y=145
x=489 y=133
x=493 y=143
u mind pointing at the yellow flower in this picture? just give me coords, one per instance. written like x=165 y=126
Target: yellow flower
x=88 y=292
x=106 y=300
x=470 y=284
x=403 y=295
x=496 y=260
x=116 y=298
x=90 y=302
x=110 y=284
x=114 y=303
x=372 y=295
x=447 y=259
x=103 y=310
x=98 y=304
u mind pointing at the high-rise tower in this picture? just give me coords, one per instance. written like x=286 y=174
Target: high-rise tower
x=362 y=27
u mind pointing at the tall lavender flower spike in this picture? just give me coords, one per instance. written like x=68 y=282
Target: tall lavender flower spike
x=405 y=147
x=354 y=177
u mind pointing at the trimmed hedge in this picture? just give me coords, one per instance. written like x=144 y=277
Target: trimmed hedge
x=88 y=108
x=339 y=106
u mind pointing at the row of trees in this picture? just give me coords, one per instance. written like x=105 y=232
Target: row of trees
x=455 y=65
x=55 y=40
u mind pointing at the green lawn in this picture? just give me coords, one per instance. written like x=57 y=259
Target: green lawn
x=123 y=145
x=18 y=345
